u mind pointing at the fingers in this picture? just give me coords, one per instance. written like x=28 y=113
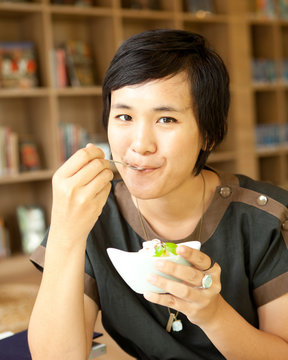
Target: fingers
x=99 y=182
x=196 y=258
x=95 y=168
x=81 y=158
x=183 y=272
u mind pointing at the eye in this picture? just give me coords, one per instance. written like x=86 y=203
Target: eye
x=167 y=120
x=124 y=117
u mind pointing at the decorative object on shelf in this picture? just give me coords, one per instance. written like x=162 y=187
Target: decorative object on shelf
x=32 y=225
x=200 y=8
x=29 y=155
x=18 y=66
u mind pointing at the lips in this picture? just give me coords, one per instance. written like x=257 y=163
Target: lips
x=143 y=167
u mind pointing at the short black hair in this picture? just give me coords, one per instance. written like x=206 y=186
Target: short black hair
x=157 y=54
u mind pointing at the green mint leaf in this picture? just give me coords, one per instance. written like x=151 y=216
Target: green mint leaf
x=171 y=247
x=159 y=250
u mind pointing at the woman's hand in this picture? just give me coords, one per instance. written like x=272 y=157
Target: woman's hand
x=80 y=190
x=197 y=303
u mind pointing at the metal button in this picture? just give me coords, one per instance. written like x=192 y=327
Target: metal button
x=262 y=200
x=225 y=191
x=285 y=225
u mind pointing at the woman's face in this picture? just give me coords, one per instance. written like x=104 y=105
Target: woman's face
x=152 y=125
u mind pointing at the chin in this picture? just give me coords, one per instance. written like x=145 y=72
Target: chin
x=144 y=191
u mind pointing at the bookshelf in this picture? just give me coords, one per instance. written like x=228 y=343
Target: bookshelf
x=235 y=29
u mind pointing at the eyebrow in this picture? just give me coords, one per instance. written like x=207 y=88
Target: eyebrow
x=158 y=108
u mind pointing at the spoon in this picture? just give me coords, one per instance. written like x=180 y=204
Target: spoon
x=129 y=166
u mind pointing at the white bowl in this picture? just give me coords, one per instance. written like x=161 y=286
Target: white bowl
x=135 y=267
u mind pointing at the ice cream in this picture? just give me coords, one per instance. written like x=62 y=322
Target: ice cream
x=158 y=248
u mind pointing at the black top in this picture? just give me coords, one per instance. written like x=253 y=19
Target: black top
x=245 y=230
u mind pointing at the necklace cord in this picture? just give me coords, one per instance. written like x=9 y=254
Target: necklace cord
x=199 y=232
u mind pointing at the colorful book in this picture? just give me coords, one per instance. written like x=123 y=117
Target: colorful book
x=80 y=65
x=18 y=65
x=72 y=137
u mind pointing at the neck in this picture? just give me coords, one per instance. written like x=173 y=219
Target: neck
x=176 y=215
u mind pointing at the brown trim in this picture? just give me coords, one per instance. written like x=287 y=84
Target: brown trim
x=214 y=213
x=271 y=290
x=91 y=289
x=38 y=256
x=272 y=207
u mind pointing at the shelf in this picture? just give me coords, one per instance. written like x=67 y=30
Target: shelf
x=221 y=156
x=272 y=150
x=209 y=19
x=79 y=11
x=270 y=86
x=17 y=7
x=30 y=176
x=78 y=91
x=24 y=93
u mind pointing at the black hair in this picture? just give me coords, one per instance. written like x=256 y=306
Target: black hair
x=156 y=54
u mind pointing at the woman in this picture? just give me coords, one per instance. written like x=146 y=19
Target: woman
x=166 y=99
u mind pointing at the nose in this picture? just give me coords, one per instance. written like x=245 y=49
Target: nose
x=143 y=139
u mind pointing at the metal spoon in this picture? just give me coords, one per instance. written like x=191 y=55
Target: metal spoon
x=129 y=166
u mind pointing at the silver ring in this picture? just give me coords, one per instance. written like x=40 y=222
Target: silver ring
x=207 y=281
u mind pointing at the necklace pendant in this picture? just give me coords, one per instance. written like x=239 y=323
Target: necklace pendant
x=177 y=325
x=170 y=322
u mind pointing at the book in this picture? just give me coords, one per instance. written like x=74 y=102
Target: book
x=264 y=70
x=29 y=155
x=5 y=250
x=15 y=346
x=59 y=68
x=18 y=65
x=84 y=3
x=283 y=9
x=141 y=4
x=79 y=63
x=72 y=138
x=265 y=8
x=32 y=225
x=9 y=151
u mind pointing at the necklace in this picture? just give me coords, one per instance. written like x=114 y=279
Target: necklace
x=174 y=323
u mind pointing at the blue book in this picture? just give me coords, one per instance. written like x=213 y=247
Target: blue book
x=16 y=347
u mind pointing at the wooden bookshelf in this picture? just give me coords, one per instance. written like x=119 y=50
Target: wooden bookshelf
x=234 y=30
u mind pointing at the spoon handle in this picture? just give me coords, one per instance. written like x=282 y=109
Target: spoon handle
x=124 y=164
